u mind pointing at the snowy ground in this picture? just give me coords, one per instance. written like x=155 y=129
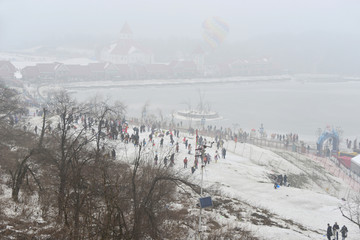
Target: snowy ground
x=247 y=178
x=293 y=213
x=244 y=175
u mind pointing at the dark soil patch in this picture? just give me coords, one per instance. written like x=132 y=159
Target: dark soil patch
x=259 y=219
x=214 y=224
x=291 y=222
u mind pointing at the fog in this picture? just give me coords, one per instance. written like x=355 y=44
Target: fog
x=40 y=20
x=264 y=37
x=297 y=34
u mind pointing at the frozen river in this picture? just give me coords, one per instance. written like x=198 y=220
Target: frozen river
x=282 y=106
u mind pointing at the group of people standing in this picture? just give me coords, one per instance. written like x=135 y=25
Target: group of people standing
x=200 y=154
x=352 y=144
x=335 y=231
x=281 y=180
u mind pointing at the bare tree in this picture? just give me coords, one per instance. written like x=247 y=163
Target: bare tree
x=19 y=168
x=129 y=201
x=65 y=143
x=10 y=103
x=18 y=175
x=103 y=111
x=151 y=188
x=96 y=197
x=351 y=210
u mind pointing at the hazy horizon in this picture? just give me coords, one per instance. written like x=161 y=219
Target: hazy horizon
x=29 y=23
x=298 y=35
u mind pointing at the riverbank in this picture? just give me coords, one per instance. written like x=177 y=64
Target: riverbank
x=170 y=82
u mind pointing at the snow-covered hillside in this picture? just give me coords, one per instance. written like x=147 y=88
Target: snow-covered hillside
x=245 y=201
x=300 y=211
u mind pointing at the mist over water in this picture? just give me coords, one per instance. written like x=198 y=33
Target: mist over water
x=282 y=36
x=281 y=106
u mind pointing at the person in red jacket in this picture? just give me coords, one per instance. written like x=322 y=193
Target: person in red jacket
x=185 y=162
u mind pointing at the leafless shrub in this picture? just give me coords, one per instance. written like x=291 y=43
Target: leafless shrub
x=351 y=209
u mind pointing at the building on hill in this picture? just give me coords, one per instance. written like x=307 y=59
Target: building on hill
x=243 y=67
x=252 y=67
x=52 y=71
x=7 y=71
x=124 y=72
x=183 y=69
x=126 y=50
x=139 y=71
x=77 y=72
x=45 y=72
x=157 y=71
x=223 y=70
x=102 y=71
x=30 y=73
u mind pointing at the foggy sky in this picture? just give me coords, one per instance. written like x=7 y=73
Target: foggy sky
x=30 y=22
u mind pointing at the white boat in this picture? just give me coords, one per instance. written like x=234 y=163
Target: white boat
x=197 y=115
x=202 y=113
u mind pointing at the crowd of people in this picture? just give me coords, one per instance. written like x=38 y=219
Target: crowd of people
x=291 y=137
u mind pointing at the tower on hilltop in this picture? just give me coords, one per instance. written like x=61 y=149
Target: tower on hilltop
x=126 y=32
x=125 y=50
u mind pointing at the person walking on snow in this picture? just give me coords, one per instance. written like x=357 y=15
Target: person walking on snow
x=185 y=162
x=208 y=158
x=171 y=139
x=165 y=161
x=156 y=158
x=161 y=142
x=336 y=231
x=223 y=151
x=172 y=159
x=344 y=232
x=329 y=232
x=216 y=157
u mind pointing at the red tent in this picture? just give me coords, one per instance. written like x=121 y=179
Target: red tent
x=345 y=160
